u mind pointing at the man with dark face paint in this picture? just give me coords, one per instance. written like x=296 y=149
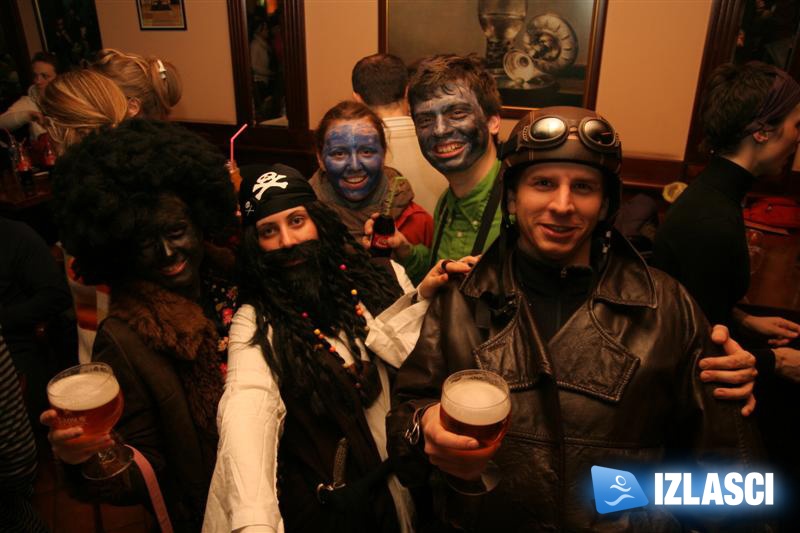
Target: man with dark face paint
x=380 y=82
x=452 y=128
x=455 y=106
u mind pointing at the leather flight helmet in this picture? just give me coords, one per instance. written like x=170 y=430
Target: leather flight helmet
x=568 y=135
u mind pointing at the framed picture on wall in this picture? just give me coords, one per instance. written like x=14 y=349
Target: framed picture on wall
x=69 y=30
x=161 y=14
x=540 y=52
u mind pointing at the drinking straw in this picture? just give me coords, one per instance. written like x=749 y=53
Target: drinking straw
x=244 y=126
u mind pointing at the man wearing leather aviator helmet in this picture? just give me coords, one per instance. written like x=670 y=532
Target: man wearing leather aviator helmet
x=600 y=351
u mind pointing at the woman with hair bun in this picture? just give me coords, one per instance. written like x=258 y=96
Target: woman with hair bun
x=80 y=102
x=152 y=85
x=76 y=104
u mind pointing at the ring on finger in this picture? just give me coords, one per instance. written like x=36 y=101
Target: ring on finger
x=444 y=265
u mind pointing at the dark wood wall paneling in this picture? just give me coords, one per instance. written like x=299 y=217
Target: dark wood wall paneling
x=269 y=144
x=724 y=23
x=262 y=145
x=15 y=39
x=237 y=22
x=595 y=54
x=723 y=27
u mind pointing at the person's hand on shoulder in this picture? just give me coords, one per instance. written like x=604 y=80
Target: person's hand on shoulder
x=779 y=330
x=787 y=363
x=441 y=272
x=737 y=369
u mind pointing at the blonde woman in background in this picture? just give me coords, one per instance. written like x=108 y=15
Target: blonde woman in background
x=152 y=86
x=76 y=104
x=79 y=102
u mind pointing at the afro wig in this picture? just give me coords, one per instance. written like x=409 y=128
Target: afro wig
x=107 y=187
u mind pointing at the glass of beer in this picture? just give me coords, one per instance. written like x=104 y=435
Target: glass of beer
x=476 y=403
x=89 y=396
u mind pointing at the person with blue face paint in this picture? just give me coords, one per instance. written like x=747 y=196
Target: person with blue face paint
x=353 y=157
x=353 y=180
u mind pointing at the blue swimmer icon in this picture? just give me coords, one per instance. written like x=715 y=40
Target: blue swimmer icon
x=616 y=490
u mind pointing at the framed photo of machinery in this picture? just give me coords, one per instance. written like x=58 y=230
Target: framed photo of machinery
x=541 y=52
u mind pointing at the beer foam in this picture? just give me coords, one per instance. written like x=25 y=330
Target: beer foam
x=81 y=392
x=475 y=402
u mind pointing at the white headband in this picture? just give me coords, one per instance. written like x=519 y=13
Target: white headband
x=161 y=70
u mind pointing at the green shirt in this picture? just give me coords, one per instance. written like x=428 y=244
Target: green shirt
x=460 y=227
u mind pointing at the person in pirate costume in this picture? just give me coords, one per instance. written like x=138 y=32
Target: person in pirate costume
x=137 y=206
x=311 y=362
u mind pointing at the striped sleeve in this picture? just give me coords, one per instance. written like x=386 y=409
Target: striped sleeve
x=17 y=447
x=17 y=454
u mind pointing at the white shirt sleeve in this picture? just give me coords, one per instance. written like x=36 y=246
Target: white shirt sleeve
x=402 y=278
x=18 y=114
x=394 y=333
x=243 y=494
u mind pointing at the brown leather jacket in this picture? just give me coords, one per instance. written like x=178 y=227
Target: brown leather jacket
x=617 y=386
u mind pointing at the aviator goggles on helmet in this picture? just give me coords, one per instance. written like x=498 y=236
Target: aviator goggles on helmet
x=549 y=131
x=564 y=134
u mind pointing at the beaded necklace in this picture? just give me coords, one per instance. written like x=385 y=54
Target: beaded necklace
x=361 y=373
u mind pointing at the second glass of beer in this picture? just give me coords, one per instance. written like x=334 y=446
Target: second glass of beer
x=89 y=396
x=476 y=403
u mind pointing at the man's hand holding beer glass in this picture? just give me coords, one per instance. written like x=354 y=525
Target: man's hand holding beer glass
x=463 y=432
x=457 y=455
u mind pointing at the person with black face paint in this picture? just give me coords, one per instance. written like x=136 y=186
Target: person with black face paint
x=380 y=81
x=137 y=205
x=455 y=106
x=313 y=352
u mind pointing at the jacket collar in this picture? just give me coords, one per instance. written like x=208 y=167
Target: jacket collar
x=518 y=352
x=625 y=280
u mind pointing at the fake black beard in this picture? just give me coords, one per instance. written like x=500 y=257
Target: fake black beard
x=305 y=283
